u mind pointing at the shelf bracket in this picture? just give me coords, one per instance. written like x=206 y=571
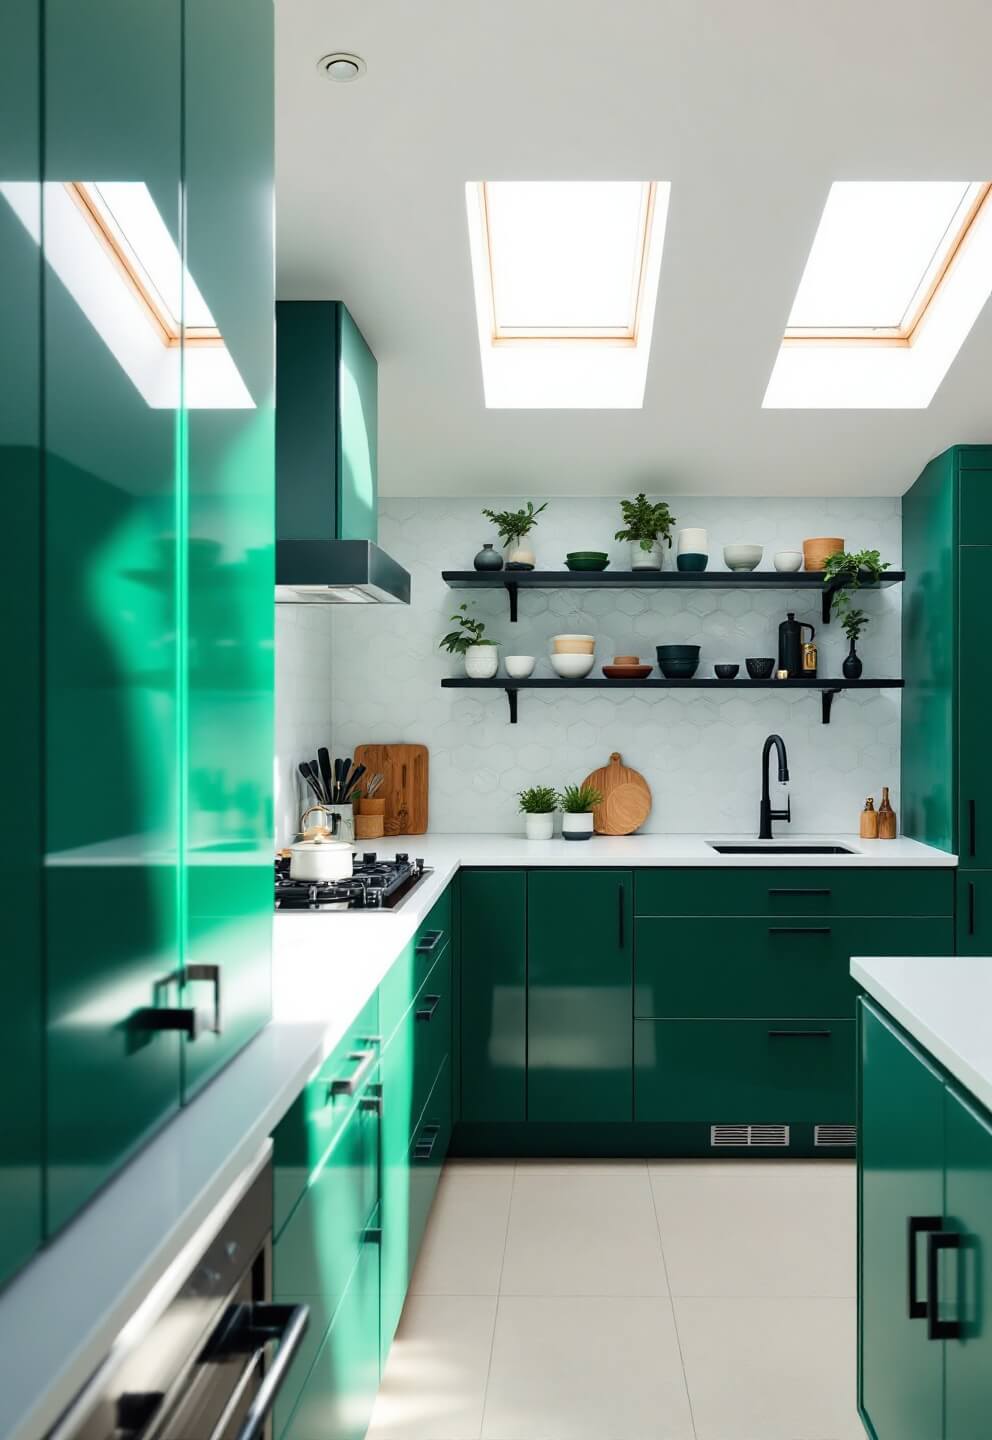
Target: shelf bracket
x=826 y=701
x=511 y=695
x=511 y=590
x=829 y=590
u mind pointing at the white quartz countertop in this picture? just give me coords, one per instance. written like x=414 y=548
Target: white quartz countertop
x=944 y=1002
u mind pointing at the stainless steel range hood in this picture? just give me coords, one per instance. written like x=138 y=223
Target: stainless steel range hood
x=338 y=572
x=327 y=463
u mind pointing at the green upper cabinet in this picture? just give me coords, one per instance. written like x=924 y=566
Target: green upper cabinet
x=327 y=428
x=579 y=995
x=112 y=602
x=20 y=720
x=229 y=567
x=974 y=703
x=493 y=1027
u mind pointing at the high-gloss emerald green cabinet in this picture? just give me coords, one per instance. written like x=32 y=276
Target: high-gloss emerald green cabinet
x=493 y=1028
x=974 y=703
x=924 y=1245
x=974 y=912
x=579 y=995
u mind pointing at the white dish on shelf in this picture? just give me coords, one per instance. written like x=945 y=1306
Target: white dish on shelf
x=742 y=557
x=519 y=667
x=787 y=561
x=572 y=667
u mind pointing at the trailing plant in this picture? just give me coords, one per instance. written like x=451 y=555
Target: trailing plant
x=645 y=523
x=513 y=525
x=579 y=799
x=853 y=623
x=470 y=632
x=538 y=800
x=848 y=571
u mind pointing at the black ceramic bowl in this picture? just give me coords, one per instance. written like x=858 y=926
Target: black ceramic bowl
x=677 y=652
x=760 y=669
x=678 y=669
x=725 y=672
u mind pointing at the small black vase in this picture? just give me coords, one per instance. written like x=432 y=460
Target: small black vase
x=488 y=559
x=852 y=666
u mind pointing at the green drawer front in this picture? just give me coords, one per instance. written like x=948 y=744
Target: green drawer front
x=408 y=972
x=431 y=1029
x=309 y=1128
x=737 y=1072
x=743 y=968
x=427 y=1153
x=794 y=892
x=317 y=1249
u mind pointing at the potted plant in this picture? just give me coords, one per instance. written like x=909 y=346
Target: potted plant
x=853 y=623
x=645 y=527
x=514 y=526
x=843 y=573
x=577 y=803
x=538 y=806
x=481 y=655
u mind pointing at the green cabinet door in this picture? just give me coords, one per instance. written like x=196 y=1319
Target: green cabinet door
x=974 y=912
x=112 y=131
x=21 y=839
x=358 y=434
x=493 y=907
x=228 y=560
x=965 y=1274
x=974 y=701
x=579 y=995
x=975 y=508
x=900 y=1188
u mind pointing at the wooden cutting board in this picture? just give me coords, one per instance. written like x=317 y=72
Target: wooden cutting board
x=405 y=786
x=626 y=798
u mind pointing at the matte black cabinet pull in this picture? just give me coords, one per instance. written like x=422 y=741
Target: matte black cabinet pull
x=917 y=1309
x=800 y=1034
x=620 y=915
x=212 y=974
x=972 y=828
x=429 y=941
x=971 y=907
x=799 y=929
x=938 y=1329
x=426 y=1011
x=799 y=892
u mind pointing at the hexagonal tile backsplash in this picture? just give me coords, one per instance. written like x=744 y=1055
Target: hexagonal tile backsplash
x=698 y=750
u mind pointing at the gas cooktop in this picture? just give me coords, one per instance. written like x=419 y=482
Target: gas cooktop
x=374 y=885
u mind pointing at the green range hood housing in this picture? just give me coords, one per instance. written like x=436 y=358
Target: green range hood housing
x=327 y=462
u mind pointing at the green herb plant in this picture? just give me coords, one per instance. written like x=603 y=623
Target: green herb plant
x=538 y=800
x=645 y=523
x=847 y=571
x=579 y=799
x=513 y=525
x=470 y=632
x=853 y=623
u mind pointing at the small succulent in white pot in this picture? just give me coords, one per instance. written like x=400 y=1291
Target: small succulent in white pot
x=577 y=803
x=646 y=527
x=538 y=806
x=481 y=655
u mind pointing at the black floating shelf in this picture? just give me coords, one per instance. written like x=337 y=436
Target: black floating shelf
x=513 y=581
x=828 y=687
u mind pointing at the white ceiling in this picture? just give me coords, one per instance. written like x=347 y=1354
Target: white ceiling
x=750 y=107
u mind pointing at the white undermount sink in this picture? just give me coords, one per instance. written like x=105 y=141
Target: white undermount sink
x=777 y=847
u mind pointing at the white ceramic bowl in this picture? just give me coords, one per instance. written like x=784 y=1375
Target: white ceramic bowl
x=519 y=667
x=572 y=667
x=788 y=560
x=742 y=557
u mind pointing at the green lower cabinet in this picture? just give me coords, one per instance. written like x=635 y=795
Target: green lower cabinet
x=965 y=1274
x=736 y=1072
x=974 y=912
x=579 y=995
x=780 y=892
x=493 y=935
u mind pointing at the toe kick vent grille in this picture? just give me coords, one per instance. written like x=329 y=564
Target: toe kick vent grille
x=827 y=1135
x=749 y=1136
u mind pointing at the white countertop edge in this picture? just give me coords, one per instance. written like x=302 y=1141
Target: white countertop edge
x=944 y=1003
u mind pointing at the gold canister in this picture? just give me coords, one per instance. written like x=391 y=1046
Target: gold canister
x=809 y=659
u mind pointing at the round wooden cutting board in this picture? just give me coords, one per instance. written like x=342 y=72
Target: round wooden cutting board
x=626 y=798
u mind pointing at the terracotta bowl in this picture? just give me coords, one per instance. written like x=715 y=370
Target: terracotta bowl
x=626 y=659
x=817 y=551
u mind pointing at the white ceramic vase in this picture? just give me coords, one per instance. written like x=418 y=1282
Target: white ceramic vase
x=577 y=826
x=481 y=661
x=518 y=552
x=540 y=827
x=641 y=559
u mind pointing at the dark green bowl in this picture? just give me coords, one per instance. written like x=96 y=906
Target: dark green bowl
x=575 y=562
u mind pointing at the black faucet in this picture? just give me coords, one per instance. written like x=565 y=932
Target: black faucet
x=767 y=814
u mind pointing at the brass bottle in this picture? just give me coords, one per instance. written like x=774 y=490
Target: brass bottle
x=869 y=820
x=886 y=817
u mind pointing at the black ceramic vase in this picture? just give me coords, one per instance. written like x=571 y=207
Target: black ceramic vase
x=488 y=559
x=852 y=666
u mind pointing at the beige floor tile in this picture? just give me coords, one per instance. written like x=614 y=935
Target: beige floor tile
x=586 y=1369
x=583 y=1228
x=757 y=1228
x=435 y=1381
x=462 y=1250
x=763 y=1369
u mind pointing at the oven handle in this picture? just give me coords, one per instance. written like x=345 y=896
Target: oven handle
x=246 y=1331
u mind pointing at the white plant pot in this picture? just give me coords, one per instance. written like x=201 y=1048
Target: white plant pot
x=540 y=827
x=520 y=553
x=645 y=559
x=577 y=826
x=481 y=661
x=692 y=542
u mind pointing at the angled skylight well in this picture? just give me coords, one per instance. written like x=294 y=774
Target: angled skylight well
x=566 y=279
x=896 y=277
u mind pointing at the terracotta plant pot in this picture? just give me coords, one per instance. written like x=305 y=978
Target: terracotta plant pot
x=817 y=551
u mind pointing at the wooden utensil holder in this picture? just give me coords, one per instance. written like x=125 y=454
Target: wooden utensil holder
x=370 y=827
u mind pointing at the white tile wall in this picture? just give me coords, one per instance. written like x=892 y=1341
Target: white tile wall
x=699 y=750
x=303 y=705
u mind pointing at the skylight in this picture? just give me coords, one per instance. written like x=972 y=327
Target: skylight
x=566 y=278
x=896 y=277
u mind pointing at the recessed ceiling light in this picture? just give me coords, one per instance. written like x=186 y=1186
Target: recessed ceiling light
x=341 y=67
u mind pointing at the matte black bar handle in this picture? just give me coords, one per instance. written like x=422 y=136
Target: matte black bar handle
x=971 y=907
x=426 y=1011
x=938 y=1329
x=212 y=974
x=800 y=1034
x=152 y=1018
x=620 y=915
x=429 y=942
x=799 y=930
x=972 y=828
x=917 y=1309
x=799 y=892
